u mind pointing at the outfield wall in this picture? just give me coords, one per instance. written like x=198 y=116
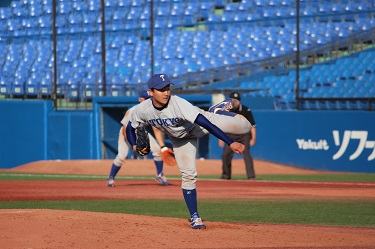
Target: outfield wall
x=323 y=140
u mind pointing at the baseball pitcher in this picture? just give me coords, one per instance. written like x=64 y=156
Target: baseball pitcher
x=184 y=124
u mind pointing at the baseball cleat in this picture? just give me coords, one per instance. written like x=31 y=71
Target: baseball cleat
x=225 y=105
x=196 y=222
x=110 y=182
x=161 y=179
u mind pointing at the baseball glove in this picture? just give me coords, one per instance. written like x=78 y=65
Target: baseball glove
x=143 y=142
x=167 y=155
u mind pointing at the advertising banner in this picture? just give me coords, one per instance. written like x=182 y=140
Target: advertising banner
x=322 y=140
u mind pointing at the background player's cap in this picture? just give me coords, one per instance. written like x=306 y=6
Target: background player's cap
x=235 y=95
x=144 y=94
x=159 y=81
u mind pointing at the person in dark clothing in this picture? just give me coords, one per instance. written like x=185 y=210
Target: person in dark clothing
x=248 y=140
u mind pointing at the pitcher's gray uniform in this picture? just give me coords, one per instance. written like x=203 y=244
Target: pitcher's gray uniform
x=177 y=121
x=184 y=124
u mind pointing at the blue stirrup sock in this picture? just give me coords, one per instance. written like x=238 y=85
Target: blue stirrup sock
x=159 y=167
x=114 y=171
x=191 y=200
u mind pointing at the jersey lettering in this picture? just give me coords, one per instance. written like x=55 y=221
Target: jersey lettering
x=164 y=122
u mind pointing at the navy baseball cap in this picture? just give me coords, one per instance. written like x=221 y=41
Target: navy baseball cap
x=235 y=95
x=159 y=81
x=144 y=94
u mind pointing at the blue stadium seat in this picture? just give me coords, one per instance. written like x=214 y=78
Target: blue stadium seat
x=31 y=25
x=4 y=86
x=18 y=88
x=94 y=5
x=3 y=27
x=45 y=24
x=110 y=4
x=207 y=4
x=35 y=10
x=47 y=8
x=80 y=6
x=116 y=88
x=15 y=26
x=64 y=7
x=119 y=14
x=73 y=92
x=178 y=7
x=19 y=10
x=31 y=88
x=75 y=18
x=5 y=13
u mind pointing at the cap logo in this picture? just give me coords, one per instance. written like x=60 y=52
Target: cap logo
x=159 y=81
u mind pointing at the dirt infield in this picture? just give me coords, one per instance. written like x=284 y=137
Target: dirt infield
x=37 y=228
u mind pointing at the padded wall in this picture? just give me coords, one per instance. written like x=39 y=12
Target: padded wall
x=22 y=132
x=70 y=135
x=322 y=140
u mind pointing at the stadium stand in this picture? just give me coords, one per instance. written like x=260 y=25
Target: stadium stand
x=190 y=37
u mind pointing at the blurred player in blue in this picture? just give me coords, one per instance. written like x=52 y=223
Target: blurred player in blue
x=123 y=147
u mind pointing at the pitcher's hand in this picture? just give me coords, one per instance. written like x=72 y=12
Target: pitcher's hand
x=237 y=147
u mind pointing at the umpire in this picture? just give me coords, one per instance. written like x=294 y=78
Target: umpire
x=248 y=140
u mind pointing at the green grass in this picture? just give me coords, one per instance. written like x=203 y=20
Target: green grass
x=314 y=178
x=328 y=212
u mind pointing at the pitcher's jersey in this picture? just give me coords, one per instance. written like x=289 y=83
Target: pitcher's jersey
x=176 y=119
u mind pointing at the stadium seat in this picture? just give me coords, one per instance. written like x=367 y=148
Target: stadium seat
x=64 y=7
x=5 y=13
x=31 y=88
x=35 y=10
x=4 y=87
x=94 y=6
x=80 y=6
x=17 y=88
